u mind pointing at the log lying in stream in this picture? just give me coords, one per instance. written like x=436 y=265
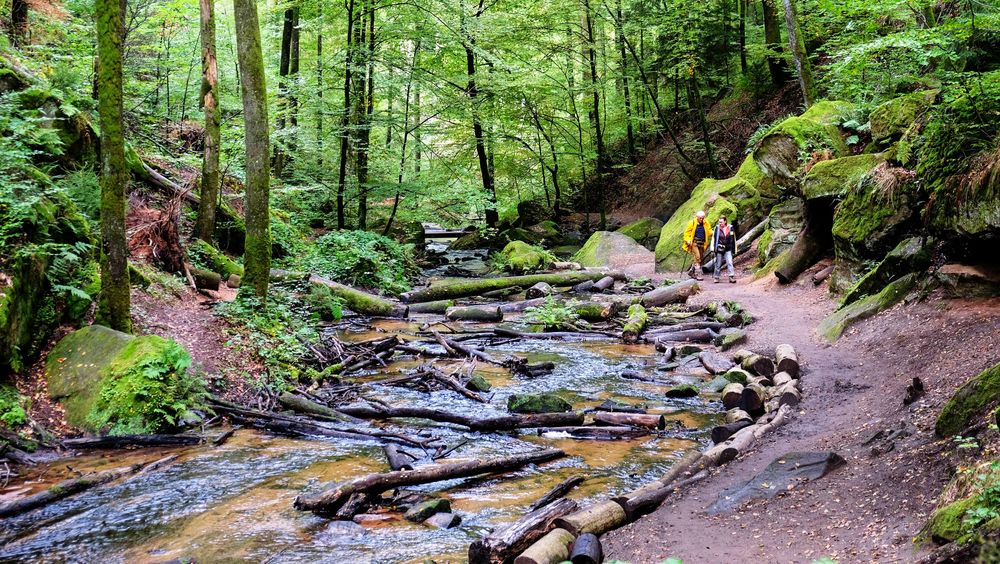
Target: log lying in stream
x=475 y=287
x=70 y=487
x=331 y=500
x=501 y=423
x=598 y=518
x=397 y=460
x=504 y=544
x=598 y=433
x=439 y=306
x=489 y=314
x=672 y=294
x=635 y=324
x=304 y=405
x=539 y=290
x=558 y=491
x=648 y=421
x=686 y=336
x=132 y=441
x=553 y=547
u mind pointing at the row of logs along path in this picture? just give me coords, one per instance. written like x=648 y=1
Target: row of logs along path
x=757 y=392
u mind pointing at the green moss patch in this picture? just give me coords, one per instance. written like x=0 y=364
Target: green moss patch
x=837 y=177
x=12 y=407
x=609 y=249
x=645 y=231
x=520 y=257
x=834 y=326
x=911 y=255
x=537 y=403
x=947 y=523
x=970 y=401
x=204 y=255
x=891 y=119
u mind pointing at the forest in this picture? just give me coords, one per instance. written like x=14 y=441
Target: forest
x=492 y=281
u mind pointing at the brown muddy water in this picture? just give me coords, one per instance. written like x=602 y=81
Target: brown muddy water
x=234 y=502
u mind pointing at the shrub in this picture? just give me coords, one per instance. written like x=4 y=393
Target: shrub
x=552 y=314
x=12 y=407
x=362 y=258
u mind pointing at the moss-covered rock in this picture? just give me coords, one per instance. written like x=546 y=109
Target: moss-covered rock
x=969 y=281
x=548 y=230
x=946 y=524
x=783 y=226
x=478 y=384
x=783 y=151
x=516 y=234
x=865 y=228
x=609 y=249
x=733 y=197
x=836 y=177
x=970 y=401
x=112 y=381
x=467 y=242
x=891 y=119
x=911 y=255
x=834 y=326
x=520 y=257
x=204 y=255
x=537 y=403
x=682 y=391
x=754 y=176
x=422 y=511
x=729 y=338
x=530 y=212
x=645 y=231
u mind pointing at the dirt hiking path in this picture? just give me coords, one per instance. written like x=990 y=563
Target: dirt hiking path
x=870 y=509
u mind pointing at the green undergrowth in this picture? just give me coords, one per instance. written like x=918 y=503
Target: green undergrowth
x=363 y=259
x=521 y=258
x=147 y=388
x=278 y=334
x=552 y=315
x=13 y=407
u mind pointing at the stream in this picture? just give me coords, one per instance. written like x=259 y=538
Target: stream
x=234 y=502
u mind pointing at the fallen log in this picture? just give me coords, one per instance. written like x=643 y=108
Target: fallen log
x=736 y=414
x=634 y=324
x=504 y=422
x=132 y=441
x=439 y=306
x=504 y=332
x=475 y=313
x=732 y=395
x=676 y=471
x=585 y=286
x=674 y=293
x=206 y=279
x=456 y=348
x=595 y=433
x=329 y=501
x=688 y=336
x=397 y=460
x=361 y=302
x=595 y=311
x=475 y=287
x=714 y=362
x=713 y=325
x=503 y=293
x=517 y=307
x=539 y=290
x=503 y=544
x=558 y=492
x=723 y=432
x=822 y=275
x=752 y=398
x=598 y=519
x=618 y=407
x=782 y=378
x=743 y=244
x=67 y=488
x=650 y=498
x=586 y=550
x=604 y=284
x=648 y=421
x=724 y=316
x=742 y=441
x=550 y=549
x=758 y=364
x=787 y=395
x=788 y=361
x=304 y=405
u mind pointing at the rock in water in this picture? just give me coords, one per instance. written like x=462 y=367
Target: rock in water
x=611 y=249
x=423 y=511
x=444 y=520
x=537 y=403
x=788 y=470
x=683 y=391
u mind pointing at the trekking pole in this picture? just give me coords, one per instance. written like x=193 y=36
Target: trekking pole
x=685 y=269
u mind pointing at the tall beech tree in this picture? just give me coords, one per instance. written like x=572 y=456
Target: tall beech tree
x=253 y=89
x=205 y=224
x=115 y=304
x=798 y=48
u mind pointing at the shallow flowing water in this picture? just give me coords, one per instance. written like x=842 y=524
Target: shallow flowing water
x=234 y=502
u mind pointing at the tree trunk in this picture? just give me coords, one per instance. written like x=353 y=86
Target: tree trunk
x=475 y=313
x=645 y=420
x=586 y=550
x=602 y=159
x=293 y=97
x=257 y=254
x=742 y=5
x=320 y=87
x=772 y=42
x=758 y=364
x=620 y=30
x=397 y=460
x=731 y=395
x=814 y=239
x=598 y=518
x=476 y=287
x=506 y=543
x=284 y=62
x=553 y=547
x=345 y=120
x=406 y=136
x=675 y=293
x=472 y=91
x=787 y=360
x=115 y=304
x=798 y=47
x=205 y=224
x=634 y=324
x=703 y=122
x=374 y=484
x=523 y=421
x=362 y=302
x=364 y=90
x=18 y=23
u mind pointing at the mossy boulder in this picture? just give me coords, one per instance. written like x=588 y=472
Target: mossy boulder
x=754 y=176
x=737 y=375
x=865 y=228
x=834 y=326
x=969 y=281
x=835 y=178
x=733 y=197
x=548 y=230
x=423 y=511
x=947 y=523
x=783 y=151
x=517 y=234
x=729 y=338
x=783 y=226
x=645 y=231
x=537 y=403
x=970 y=401
x=682 y=391
x=467 y=242
x=204 y=255
x=478 y=384
x=520 y=257
x=611 y=249
x=891 y=119
x=531 y=212
x=110 y=381
x=911 y=255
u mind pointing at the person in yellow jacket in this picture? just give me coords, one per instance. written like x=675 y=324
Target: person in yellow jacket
x=697 y=240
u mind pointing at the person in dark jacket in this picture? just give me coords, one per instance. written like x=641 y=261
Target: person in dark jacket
x=725 y=248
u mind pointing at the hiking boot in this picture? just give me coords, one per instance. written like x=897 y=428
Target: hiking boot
x=732 y=280
x=716 y=279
